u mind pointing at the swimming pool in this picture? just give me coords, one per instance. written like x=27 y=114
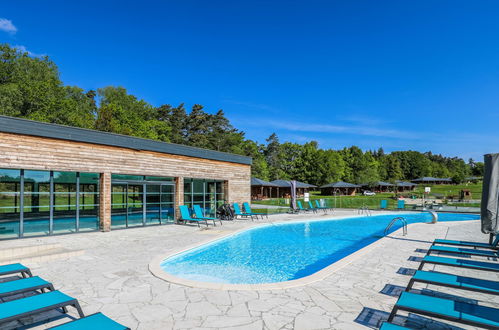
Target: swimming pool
x=280 y=252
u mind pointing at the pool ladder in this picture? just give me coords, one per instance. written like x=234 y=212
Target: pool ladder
x=364 y=210
x=404 y=225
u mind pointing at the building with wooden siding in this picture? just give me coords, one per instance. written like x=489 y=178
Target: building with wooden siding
x=59 y=179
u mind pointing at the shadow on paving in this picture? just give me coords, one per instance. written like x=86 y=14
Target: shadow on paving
x=374 y=318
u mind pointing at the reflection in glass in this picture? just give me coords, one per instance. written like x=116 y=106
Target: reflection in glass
x=37 y=200
x=208 y=194
x=139 y=203
x=10 y=203
x=89 y=201
x=64 y=202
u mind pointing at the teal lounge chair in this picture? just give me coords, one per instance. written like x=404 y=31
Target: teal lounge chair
x=458 y=250
x=20 y=308
x=314 y=209
x=494 y=245
x=199 y=215
x=186 y=216
x=400 y=204
x=95 y=321
x=318 y=206
x=455 y=311
x=301 y=208
x=454 y=281
x=247 y=210
x=24 y=285
x=383 y=204
x=237 y=212
x=463 y=263
x=15 y=269
x=391 y=326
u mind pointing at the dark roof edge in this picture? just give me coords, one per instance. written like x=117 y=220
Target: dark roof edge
x=77 y=134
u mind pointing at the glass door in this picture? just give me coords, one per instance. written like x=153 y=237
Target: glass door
x=135 y=206
x=167 y=203
x=119 y=203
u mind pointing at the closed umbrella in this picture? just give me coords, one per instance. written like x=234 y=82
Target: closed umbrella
x=490 y=195
x=293 y=195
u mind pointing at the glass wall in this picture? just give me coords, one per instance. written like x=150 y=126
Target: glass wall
x=141 y=200
x=209 y=194
x=34 y=203
x=10 y=203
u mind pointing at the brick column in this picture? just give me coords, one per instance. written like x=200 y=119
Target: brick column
x=105 y=201
x=179 y=195
x=227 y=192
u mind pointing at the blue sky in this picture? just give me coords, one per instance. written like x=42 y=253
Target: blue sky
x=420 y=75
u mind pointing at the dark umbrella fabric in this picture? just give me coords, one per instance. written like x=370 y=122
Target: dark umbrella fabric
x=293 y=195
x=490 y=195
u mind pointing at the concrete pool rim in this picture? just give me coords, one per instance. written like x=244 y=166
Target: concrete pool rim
x=157 y=271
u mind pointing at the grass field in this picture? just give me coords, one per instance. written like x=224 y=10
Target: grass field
x=445 y=192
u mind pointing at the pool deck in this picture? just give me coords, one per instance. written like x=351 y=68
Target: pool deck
x=113 y=277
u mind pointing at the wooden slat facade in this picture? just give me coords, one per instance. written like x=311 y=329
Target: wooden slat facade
x=36 y=153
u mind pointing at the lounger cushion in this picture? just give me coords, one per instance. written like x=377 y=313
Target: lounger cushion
x=32 y=304
x=12 y=268
x=457 y=250
x=22 y=285
x=462 y=263
x=468 y=283
x=449 y=309
x=391 y=326
x=463 y=243
x=96 y=321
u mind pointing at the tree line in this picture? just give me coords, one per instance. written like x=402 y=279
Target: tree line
x=30 y=87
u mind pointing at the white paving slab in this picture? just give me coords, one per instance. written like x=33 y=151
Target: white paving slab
x=113 y=277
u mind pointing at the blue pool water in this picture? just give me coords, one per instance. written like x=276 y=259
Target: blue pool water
x=285 y=251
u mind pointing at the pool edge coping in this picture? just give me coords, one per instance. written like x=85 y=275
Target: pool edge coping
x=157 y=271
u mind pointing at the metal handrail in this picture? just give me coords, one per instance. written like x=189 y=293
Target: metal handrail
x=364 y=210
x=404 y=225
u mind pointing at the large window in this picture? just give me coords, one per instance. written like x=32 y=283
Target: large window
x=10 y=203
x=141 y=200
x=34 y=203
x=209 y=194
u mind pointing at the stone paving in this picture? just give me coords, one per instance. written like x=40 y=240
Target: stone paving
x=113 y=277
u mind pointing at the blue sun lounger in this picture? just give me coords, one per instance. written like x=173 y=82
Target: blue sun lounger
x=391 y=326
x=318 y=205
x=237 y=212
x=458 y=250
x=17 y=309
x=463 y=263
x=199 y=215
x=15 y=269
x=400 y=204
x=185 y=215
x=95 y=321
x=301 y=208
x=454 y=281
x=383 y=204
x=494 y=245
x=247 y=210
x=456 y=311
x=313 y=208
x=24 y=285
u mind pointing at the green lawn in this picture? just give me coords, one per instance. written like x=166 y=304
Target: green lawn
x=373 y=202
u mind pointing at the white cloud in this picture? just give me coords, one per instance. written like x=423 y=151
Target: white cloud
x=346 y=129
x=25 y=50
x=7 y=26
